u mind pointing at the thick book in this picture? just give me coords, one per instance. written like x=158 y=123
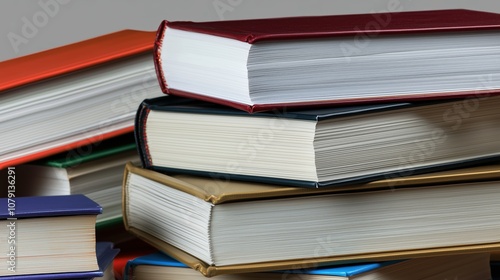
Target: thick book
x=218 y=226
x=96 y=173
x=315 y=147
x=263 y=64
x=48 y=234
x=105 y=253
x=74 y=95
x=159 y=266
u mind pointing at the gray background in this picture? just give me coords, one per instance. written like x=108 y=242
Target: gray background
x=61 y=22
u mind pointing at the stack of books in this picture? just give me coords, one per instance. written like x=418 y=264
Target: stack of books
x=67 y=120
x=97 y=174
x=68 y=117
x=292 y=145
x=74 y=96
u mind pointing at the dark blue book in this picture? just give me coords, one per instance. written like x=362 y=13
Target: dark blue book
x=316 y=148
x=159 y=266
x=105 y=254
x=49 y=235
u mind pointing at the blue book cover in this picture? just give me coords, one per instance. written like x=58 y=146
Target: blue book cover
x=48 y=206
x=467 y=266
x=161 y=259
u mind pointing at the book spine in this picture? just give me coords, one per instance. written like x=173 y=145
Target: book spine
x=126 y=176
x=140 y=135
x=157 y=49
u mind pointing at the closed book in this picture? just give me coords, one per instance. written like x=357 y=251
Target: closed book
x=105 y=254
x=264 y=64
x=96 y=173
x=315 y=147
x=74 y=95
x=465 y=266
x=218 y=226
x=48 y=234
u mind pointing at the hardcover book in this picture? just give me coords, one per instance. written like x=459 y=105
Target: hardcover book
x=315 y=147
x=96 y=173
x=159 y=266
x=218 y=226
x=264 y=64
x=105 y=255
x=73 y=96
x=49 y=234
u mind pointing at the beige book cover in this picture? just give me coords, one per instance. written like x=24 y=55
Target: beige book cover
x=221 y=191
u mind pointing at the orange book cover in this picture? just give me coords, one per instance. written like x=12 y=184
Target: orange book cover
x=65 y=59
x=53 y=63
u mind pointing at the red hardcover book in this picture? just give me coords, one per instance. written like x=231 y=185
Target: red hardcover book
x=262 y=64
x=74 y=95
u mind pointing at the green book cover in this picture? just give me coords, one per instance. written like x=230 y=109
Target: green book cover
x=109 y=223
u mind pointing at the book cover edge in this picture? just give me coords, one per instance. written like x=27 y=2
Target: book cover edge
x=211 y=270
x=97 y=60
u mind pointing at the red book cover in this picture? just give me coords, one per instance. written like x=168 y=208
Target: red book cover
x=254 y=31
x=129 y=251
x=257 y=30
x=86 y=141
x=66 y=59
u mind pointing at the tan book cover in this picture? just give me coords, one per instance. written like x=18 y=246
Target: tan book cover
x=221 y=191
